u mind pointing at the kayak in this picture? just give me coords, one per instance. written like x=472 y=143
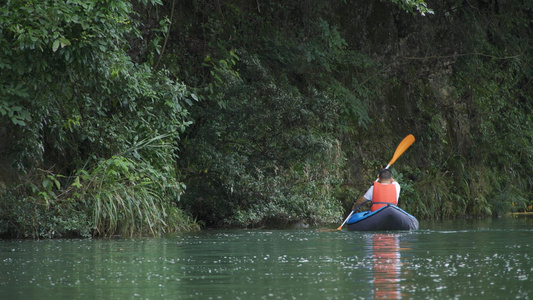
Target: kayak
x=389 y=217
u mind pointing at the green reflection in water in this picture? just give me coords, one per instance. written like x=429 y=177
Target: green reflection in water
x=461 y=259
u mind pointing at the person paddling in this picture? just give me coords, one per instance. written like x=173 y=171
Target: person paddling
x=385 y=191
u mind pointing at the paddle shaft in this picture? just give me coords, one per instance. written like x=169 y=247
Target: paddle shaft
x=347 y=218
x=351 y=213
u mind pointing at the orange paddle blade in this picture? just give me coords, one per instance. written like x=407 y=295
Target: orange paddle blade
x=404 y=145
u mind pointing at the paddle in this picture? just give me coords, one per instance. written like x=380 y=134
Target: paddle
x=404 y=145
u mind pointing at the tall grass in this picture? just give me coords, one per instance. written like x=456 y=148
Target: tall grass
x=129 y=194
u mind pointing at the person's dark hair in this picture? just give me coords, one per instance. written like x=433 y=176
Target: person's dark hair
x=385 y=174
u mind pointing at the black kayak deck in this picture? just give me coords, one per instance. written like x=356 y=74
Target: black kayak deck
x=390 y=217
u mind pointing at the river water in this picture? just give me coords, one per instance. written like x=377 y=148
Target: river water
x=469 y=259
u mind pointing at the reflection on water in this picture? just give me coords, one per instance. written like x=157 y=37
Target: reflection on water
x=460 y=260
x=386 y=266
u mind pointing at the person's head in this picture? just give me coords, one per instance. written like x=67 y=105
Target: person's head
x=385 y=174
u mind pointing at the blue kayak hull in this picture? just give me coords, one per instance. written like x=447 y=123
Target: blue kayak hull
x=390 y=217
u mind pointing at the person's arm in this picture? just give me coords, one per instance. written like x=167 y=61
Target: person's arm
x=364 y=198
x=359 y=201
x=398 y=189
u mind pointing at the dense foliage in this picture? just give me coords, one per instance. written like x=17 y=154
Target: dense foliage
x=135 y=117
x=265 y=146
x=91 y=134
x=475 y=119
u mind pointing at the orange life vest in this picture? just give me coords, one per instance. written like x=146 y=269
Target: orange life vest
x=382 y=195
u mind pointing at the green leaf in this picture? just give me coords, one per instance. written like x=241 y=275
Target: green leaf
x=76 y=182
x=56 y=44
x=57 y=184
x=64 y=42
x=18 y=121
x=46 y=184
